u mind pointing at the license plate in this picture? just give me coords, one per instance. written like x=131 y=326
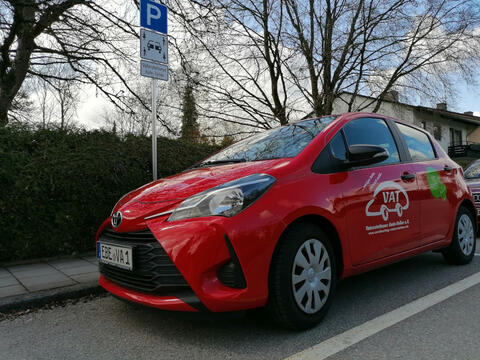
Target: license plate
x=119 y=256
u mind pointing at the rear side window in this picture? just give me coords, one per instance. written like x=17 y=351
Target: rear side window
x=371 y=131
x=418 y=143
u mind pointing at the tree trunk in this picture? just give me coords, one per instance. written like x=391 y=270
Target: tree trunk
x=327 y=62
x=3 y=115
x=13 y=73
x=62 y=110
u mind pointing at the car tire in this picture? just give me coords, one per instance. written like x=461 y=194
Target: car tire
x=303 y=262
x=462 y=249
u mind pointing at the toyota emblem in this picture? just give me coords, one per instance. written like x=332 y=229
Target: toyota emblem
x=116 y=219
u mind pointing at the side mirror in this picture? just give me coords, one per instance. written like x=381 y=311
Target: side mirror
x=359 y=155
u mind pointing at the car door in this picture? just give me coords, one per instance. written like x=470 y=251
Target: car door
x=381 y=201
x=436 y=183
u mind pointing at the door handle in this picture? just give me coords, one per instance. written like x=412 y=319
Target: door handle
x=408 y=176
x=447 y=168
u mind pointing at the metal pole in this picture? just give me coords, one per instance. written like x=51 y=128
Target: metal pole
x=154 y=129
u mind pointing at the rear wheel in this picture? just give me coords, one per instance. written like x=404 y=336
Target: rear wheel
x=462 y=248
x=302 y=277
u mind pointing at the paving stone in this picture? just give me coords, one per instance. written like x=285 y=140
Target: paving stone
x=12 y=290
x=4 y=273
x=80 y=270
x=69 y=263
x=50 y=285
x=92 y=259
x=8 y=281
x=86 y=278
x=43 y=282
x=21 y=271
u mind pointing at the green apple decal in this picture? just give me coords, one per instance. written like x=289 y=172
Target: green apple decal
x=438 y=189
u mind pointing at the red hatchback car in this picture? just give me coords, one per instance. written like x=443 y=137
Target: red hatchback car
x=278 y=218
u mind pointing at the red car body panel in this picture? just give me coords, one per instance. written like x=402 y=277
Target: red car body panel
x=198 y=249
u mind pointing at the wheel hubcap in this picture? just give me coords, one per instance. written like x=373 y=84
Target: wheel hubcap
x=311 y=276
x=465 y=234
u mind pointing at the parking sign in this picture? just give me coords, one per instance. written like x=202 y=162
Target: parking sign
x=153 y=16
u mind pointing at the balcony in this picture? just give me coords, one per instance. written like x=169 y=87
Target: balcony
x=463 y=149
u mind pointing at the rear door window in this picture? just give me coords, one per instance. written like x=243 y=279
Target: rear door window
x=418 y=143
x=372 y=131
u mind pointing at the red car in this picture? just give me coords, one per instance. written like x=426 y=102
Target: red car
x=278 y=218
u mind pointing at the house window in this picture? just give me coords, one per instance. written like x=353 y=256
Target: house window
x=437 y=132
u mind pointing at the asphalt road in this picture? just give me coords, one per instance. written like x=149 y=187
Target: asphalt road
x=106 y=328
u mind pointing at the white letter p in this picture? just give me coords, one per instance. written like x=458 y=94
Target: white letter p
x=153 y=12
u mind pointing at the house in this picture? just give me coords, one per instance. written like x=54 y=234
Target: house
x=454 y=131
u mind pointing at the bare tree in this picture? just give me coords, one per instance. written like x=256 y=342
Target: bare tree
x=237 y=48
x=257 y=63
x=88 y=36
x=136 y=118
x=44 y=102
x=373 y=46
x=262 y=59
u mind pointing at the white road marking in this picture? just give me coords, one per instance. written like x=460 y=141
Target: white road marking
x=476 y=254
x=353 y=336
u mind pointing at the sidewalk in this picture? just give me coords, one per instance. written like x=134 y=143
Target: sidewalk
x=27 y=285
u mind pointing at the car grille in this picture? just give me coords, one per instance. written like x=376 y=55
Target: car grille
x=153 y=271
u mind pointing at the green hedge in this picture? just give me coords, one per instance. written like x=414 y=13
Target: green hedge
x=56 y=187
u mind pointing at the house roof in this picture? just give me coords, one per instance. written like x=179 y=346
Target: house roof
x=465 y=118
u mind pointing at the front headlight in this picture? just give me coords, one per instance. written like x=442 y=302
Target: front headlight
x=224 y=200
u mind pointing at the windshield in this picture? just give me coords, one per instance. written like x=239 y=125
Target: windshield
x=282 y=142
x=473 y=171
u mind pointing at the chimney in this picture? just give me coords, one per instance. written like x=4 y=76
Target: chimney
x=442 y=106
x=468 y=113
x=391 y=95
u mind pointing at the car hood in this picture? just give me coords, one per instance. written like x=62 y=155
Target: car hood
x=164 y=194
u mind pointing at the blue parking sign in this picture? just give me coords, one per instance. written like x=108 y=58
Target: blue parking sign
x=153 y=16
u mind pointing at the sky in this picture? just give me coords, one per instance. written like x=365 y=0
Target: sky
x=468 y=99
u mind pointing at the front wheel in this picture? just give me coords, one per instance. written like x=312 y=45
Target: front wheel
x=462 y=248
x=302 y=277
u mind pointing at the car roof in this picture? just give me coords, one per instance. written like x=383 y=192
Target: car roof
x=353 y=115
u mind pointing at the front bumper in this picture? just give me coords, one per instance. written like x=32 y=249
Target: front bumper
x=198 y=248
x=172 y=303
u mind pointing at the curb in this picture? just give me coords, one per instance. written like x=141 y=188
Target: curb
x=40 y=298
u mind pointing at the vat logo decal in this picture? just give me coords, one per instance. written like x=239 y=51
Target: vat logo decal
x=394 y=197
x=389 y=198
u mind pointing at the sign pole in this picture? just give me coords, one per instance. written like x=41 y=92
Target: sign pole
x=154 y=129
x=154 y=57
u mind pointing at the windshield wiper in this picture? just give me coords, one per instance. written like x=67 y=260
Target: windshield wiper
x=220 y=162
